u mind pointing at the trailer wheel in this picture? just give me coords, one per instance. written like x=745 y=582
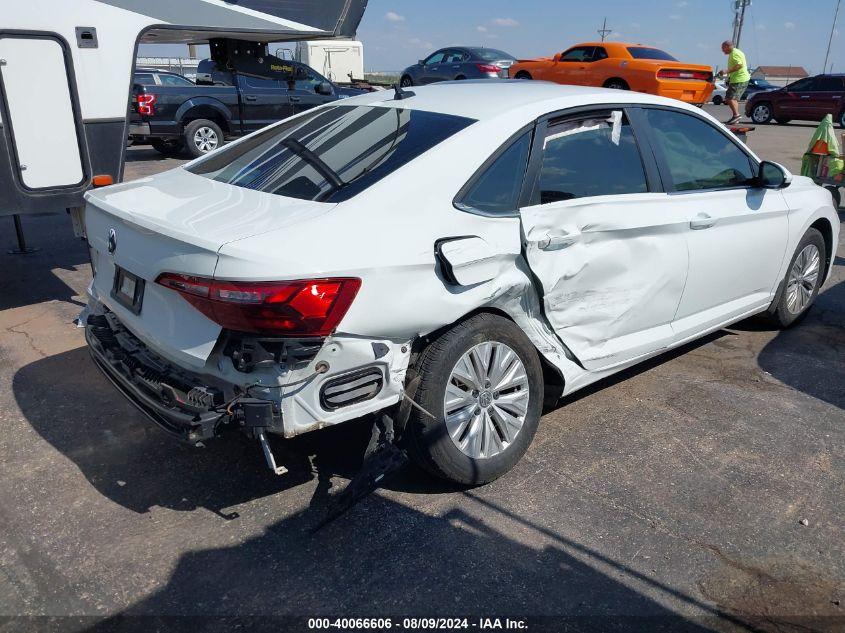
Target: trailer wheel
x=202 y=136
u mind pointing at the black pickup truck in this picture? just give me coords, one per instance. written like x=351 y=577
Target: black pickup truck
x=198 y=118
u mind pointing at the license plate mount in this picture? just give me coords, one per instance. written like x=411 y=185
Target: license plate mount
x=128 y=290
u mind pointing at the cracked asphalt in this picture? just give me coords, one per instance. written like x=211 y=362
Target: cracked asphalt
x=673 y=493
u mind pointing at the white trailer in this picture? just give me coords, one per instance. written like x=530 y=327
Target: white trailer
x=341 y=61
x=66 y=71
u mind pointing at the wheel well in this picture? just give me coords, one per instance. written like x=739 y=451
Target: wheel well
x=613 y=79
x=521 y=74
x=206 y=112
x=552 y=378
x=822 y=225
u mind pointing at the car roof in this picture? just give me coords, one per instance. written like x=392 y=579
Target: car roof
x=482 y=99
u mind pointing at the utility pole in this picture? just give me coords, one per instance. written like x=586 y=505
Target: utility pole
x=739 y=19
x=604 y=31
x=830 y=41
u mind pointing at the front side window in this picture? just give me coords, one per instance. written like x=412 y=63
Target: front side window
x=696 y=154
x=580 y=54
x=435 y=59
x=594 y=156
x=307 y=79
x=599 y=54
x=330 y=154
x=802 y=85
x=497 y=190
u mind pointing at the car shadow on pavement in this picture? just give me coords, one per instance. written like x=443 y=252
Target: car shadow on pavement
x=386 y=559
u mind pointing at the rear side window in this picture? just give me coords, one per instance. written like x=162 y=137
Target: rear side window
x=330 y=154
x=641 y=52
x=585 y=157
x=696 y=154
x=145 y=79
x=175 y=80
x=496 y=191
x=829 y=84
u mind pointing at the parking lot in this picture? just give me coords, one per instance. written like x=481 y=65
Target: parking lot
x=701 y=490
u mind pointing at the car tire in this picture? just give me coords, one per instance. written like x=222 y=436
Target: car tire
x=616 y=84
x=406 y=81
x=460 y=78
x=202 y=136
x=718 y=100
x=490 y=446
x=168 y=147
x=762 y=113
x=804 y=277
x=522 y=74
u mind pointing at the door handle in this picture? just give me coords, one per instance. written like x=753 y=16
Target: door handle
x=805 y=96
x=250 y=98
x=556 y=242
x=703 y=221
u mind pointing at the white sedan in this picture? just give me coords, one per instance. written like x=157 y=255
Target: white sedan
x=455 y=257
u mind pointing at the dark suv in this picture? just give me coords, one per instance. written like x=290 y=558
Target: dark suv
x=808 y=99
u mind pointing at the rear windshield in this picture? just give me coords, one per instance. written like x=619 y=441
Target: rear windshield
x=330 y=154
x=639 y=52
x=491 y=54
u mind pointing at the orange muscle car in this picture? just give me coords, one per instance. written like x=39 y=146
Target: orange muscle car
x=621 y=66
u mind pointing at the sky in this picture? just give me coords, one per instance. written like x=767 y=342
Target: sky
x=396 y=33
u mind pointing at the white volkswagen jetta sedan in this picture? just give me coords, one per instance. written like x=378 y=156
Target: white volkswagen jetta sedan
x=473 y=249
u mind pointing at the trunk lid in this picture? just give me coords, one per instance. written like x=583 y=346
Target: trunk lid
x=175 y=222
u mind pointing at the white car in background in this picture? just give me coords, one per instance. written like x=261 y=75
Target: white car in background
x=719 y=92
x=479 y=248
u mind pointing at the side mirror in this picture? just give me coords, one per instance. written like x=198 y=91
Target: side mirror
x=773 y=176
x=557 y=57
x=421 y=62
x=324 y=88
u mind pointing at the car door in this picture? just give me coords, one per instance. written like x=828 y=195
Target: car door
x=610 y=257
x=262 y=102
x=453 y=64
x=304 y=95
x=573 y=66
x=826 y=98
x=430 y=71
x=738 y=231
x=793 y=103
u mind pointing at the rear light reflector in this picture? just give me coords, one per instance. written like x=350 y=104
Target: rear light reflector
x=311 y=307
x=103 y=180
x=675 y=73
x=146 y=104
x=488 y=68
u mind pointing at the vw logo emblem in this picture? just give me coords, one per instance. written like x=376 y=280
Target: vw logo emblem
x=112 y=241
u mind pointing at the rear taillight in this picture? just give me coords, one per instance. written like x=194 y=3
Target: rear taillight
x=488 y=68
x=146 y=104
x=675 y=73
x=312 y=307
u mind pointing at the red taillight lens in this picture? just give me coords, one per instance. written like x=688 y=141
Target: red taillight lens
x=488 y=68
x=312 y=307
x=675 y=73
x=146 y=104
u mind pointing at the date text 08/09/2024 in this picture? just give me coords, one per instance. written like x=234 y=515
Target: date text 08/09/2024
x=416 y=623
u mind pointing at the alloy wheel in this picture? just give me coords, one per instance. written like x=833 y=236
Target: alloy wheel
x=486 y=400
x=761 y=114
x=803 y=278
x=206 y=139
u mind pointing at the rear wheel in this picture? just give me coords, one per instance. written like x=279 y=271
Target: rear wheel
x=718 y=100
x=762 y=113
x=406 y=81
x=460 y=78
x=168 y=147
x=482 y=384
x=803 y=279
x=202 y=136
x=616 y=84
